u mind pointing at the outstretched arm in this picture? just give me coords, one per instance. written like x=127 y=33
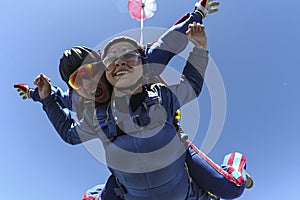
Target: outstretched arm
x=70 y=131
x=174 y=40
x=59 y=115
x=27 y=92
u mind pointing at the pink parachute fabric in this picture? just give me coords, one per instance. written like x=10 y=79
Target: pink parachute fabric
x=141 y=10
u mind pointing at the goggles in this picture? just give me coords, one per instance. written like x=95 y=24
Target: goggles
x=132 y=58
x=87 y=71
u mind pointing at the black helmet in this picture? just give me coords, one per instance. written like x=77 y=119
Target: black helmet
x=75 y=57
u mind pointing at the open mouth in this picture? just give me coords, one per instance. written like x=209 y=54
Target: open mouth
x=121 y=73
x=99 y=92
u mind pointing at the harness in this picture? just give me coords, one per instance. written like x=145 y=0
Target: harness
x=113 y=123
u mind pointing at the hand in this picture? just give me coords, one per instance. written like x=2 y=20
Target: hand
x=24 y=90
x=197 y=35
x=207 y=6
x=44 y=85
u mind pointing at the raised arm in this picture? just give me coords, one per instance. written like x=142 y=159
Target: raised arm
x=193 y=73
x=175 y=40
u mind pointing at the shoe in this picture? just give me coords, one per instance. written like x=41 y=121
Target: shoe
x=249 y=181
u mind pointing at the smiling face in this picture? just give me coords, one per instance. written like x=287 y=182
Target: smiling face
x=123 y=65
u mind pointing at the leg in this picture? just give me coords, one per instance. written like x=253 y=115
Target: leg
x=227 y=182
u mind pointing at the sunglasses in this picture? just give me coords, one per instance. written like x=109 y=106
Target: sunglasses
x=132 y=58
x=87 y=71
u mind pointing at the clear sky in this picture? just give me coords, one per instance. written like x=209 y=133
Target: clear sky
x=255 y=46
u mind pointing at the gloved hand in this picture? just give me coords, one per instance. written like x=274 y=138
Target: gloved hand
x=207 y=6
x=24 y=90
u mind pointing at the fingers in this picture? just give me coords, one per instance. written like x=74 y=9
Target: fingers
x=45 y=80
x=24 y=97
x=195 y=27
x=17 y=85
x=213 y=10
x=21 y=86
x=41 y=79
x=37 y=80
x=214 y=3
x=212 y=6
x=22 y=92
x=188 y=32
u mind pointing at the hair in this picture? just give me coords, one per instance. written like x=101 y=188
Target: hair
x=119 y=39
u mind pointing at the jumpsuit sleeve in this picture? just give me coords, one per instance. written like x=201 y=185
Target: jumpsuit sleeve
x=192 y=78
x=171 y=43
x=65 y=97
x=70 y=131
x=34 y=95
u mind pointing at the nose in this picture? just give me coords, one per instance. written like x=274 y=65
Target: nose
x=120 y=62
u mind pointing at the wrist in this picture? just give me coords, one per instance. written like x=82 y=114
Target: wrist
x=200 y=51
x=200 y=9
x=28 y=92
x=45 y=92
x=44 y=96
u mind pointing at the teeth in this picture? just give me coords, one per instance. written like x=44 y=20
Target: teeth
x=121 y=73
x=94 y=91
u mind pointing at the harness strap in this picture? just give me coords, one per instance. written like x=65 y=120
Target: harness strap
x=148 y=116
x=122 y=191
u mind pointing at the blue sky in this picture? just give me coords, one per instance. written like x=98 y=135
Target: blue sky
x=254 y=45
